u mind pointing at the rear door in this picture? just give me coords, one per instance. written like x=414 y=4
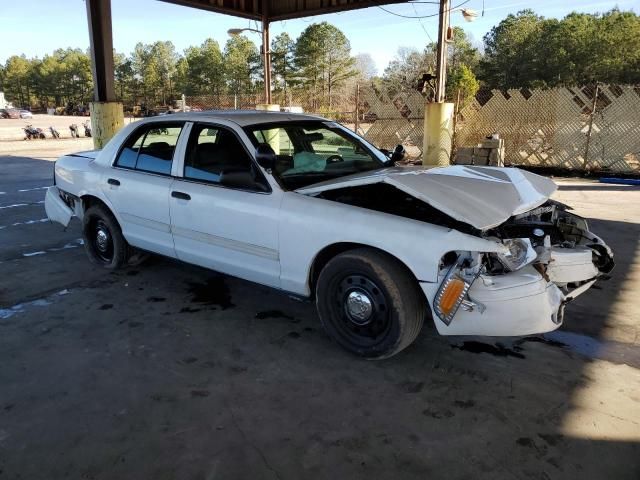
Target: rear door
x=224 y=215
x=138 y=185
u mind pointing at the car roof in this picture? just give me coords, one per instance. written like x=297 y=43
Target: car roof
x=242 y=118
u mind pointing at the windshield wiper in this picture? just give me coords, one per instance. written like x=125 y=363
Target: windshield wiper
x=300 y=174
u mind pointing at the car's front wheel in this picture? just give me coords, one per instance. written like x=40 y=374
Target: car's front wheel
x=370 y=303
x=103 y=238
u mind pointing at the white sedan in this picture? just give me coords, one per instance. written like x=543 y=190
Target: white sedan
x=301 y=204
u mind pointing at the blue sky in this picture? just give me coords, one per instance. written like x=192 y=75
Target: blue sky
x=46 y=25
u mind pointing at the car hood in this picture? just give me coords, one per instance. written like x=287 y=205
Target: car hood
x=483 y=197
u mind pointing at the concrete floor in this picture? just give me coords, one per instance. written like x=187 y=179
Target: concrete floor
x=168 y=371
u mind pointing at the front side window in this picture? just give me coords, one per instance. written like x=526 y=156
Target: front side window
x=150 y=149
x=308 y=152
x=216 y=155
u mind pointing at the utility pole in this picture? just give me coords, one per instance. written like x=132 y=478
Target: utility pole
x=266 y=53
x=441 y=59
x=438 y=115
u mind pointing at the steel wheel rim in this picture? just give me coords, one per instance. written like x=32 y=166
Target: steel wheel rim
x=363 y=311
x=103 y=241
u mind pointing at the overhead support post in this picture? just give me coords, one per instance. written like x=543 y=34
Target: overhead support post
x=266 y=62
x=438 y=115
x=273 y=135
x=107 y=116
x=266 y=52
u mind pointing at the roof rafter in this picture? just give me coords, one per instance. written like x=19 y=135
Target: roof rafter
x=279 y=9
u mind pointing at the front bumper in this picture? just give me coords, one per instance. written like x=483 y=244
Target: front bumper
x=513 y=304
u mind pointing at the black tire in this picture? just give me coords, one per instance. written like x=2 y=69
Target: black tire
x=370 y=303
x=103 y=240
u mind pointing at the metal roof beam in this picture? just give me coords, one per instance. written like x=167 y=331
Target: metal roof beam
x=280 y=9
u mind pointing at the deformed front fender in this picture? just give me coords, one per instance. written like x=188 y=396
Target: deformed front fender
x=310 y=225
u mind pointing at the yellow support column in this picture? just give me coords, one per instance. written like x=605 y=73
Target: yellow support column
x=273 y=135
x=438 y=134
x=106 y=119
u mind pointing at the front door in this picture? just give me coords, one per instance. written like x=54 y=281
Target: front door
x=224 y=215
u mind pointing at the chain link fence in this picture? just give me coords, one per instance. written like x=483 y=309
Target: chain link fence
x=342 y=108
x=387 y=120
x=383 y=119
x=594 y=127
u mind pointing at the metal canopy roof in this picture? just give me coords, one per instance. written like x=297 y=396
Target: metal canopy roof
x=274 y=10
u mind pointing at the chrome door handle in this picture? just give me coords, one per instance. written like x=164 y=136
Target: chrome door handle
x=181 y=195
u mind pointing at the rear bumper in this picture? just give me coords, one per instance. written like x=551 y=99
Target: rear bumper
x=514 y=304
x=57 y=210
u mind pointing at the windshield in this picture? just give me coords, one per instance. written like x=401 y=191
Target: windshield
x=313 y=151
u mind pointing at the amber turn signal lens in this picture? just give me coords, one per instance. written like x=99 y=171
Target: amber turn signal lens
x=451 y=295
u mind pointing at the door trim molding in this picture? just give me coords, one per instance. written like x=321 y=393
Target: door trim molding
x=217 y=241
x=145 y=222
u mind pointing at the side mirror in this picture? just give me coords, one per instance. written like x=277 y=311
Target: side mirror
x=243 y=179
x=399 y=153
x=265 y=156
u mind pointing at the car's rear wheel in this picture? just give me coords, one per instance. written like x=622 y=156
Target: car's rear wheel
x=103 y=238
x=370 y=303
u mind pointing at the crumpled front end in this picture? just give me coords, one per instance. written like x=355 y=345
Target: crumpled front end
x=549 y=258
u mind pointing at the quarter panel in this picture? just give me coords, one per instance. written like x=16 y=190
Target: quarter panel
x=81 y=176
x=76 y=174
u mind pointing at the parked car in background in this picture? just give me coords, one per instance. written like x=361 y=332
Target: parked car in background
x=302 y=204
x=25 y=114
x=10 y=113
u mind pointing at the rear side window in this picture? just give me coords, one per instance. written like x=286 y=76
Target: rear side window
x=150 y=148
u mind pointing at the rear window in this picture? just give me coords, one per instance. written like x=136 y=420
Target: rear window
x=150 y=148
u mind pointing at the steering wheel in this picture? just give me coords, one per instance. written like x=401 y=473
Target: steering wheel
x=334 y=159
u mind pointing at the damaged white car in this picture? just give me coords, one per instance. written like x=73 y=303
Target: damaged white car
x=302 y=204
